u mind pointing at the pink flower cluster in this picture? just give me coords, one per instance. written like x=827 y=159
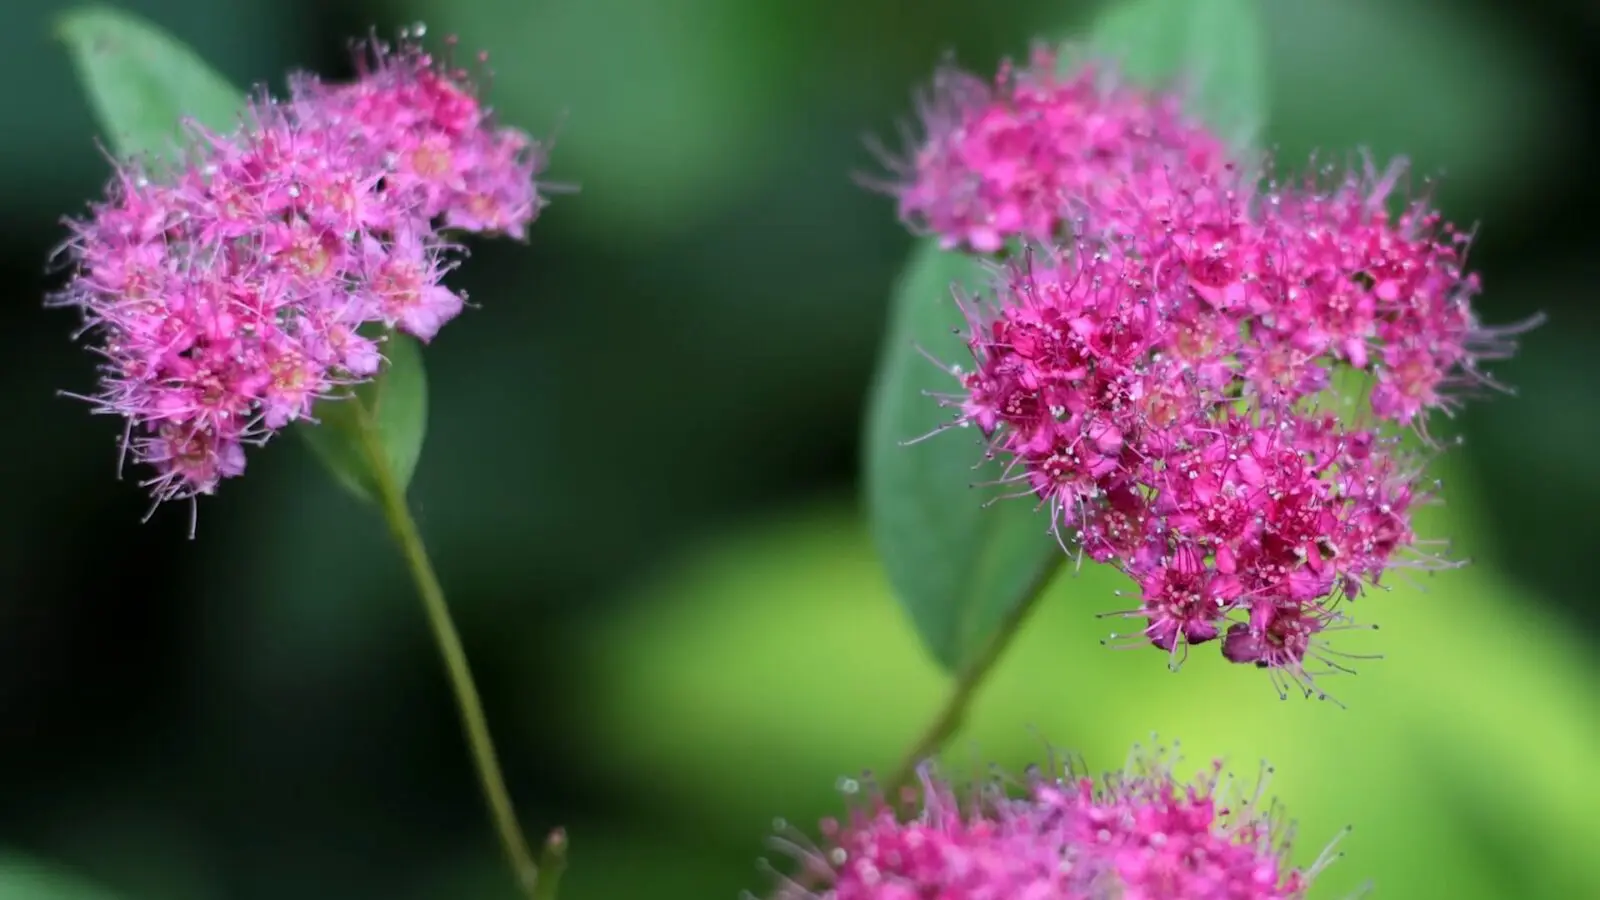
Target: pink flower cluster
x=229 y=295
x=1203 y=380
x=1139 y=833
x=999 y=158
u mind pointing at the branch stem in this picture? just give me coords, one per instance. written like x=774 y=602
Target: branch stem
x=953 y=714
x=391 y=497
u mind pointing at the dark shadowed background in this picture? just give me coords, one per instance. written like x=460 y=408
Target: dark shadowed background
x=639 y=485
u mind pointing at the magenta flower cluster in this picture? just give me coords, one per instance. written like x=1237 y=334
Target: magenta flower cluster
x=1141 y=833
x=1205 y=381
x=998 y=160
x=230 y=293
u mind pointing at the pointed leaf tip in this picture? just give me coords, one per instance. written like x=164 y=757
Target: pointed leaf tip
x=959 y=563
x=1217 y=48
x=395 y=403
x=142 y=82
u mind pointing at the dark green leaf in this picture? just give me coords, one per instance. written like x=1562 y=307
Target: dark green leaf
x=142 y=82
x=958 y=567
x=396 y=402
x=1218 y=48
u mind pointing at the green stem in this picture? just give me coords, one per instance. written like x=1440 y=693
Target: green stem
x=953 y=713
x=954 y=710
x=391 y=497
x=552 y=862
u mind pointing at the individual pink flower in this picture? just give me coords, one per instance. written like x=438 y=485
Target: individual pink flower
x=1141 y=832
x=229 y=296
x=1004 y=159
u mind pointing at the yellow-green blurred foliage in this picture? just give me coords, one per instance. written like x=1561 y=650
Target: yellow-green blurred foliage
x=761 y=670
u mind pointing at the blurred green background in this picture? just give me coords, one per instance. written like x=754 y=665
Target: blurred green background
x=639 y=486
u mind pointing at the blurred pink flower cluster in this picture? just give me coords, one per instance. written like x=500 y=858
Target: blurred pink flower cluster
x=1139 y=833
x=228 y=294
x=998 y=159
x=1202 y=377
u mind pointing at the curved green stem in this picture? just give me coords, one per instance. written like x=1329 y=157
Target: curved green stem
x=391 y=497
x=953 y=713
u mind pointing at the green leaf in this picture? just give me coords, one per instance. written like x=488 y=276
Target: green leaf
x=959 y=567
x=142 y=82
x=1218 y=48
x=396 y=402
x=23 y=878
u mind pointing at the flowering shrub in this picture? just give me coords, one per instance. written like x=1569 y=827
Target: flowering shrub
x=1181 y=363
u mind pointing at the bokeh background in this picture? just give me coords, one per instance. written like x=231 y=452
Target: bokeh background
x=640 y=486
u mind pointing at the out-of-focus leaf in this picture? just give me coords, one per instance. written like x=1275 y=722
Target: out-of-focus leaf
x=1472 y=674
x=24 y=878
x=957 y=563
x=664 y=111
x=1445 y=85
x=396 y=401
x=142 y=82
x=134 y=835
x=1216 y=47
x=660 y=865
